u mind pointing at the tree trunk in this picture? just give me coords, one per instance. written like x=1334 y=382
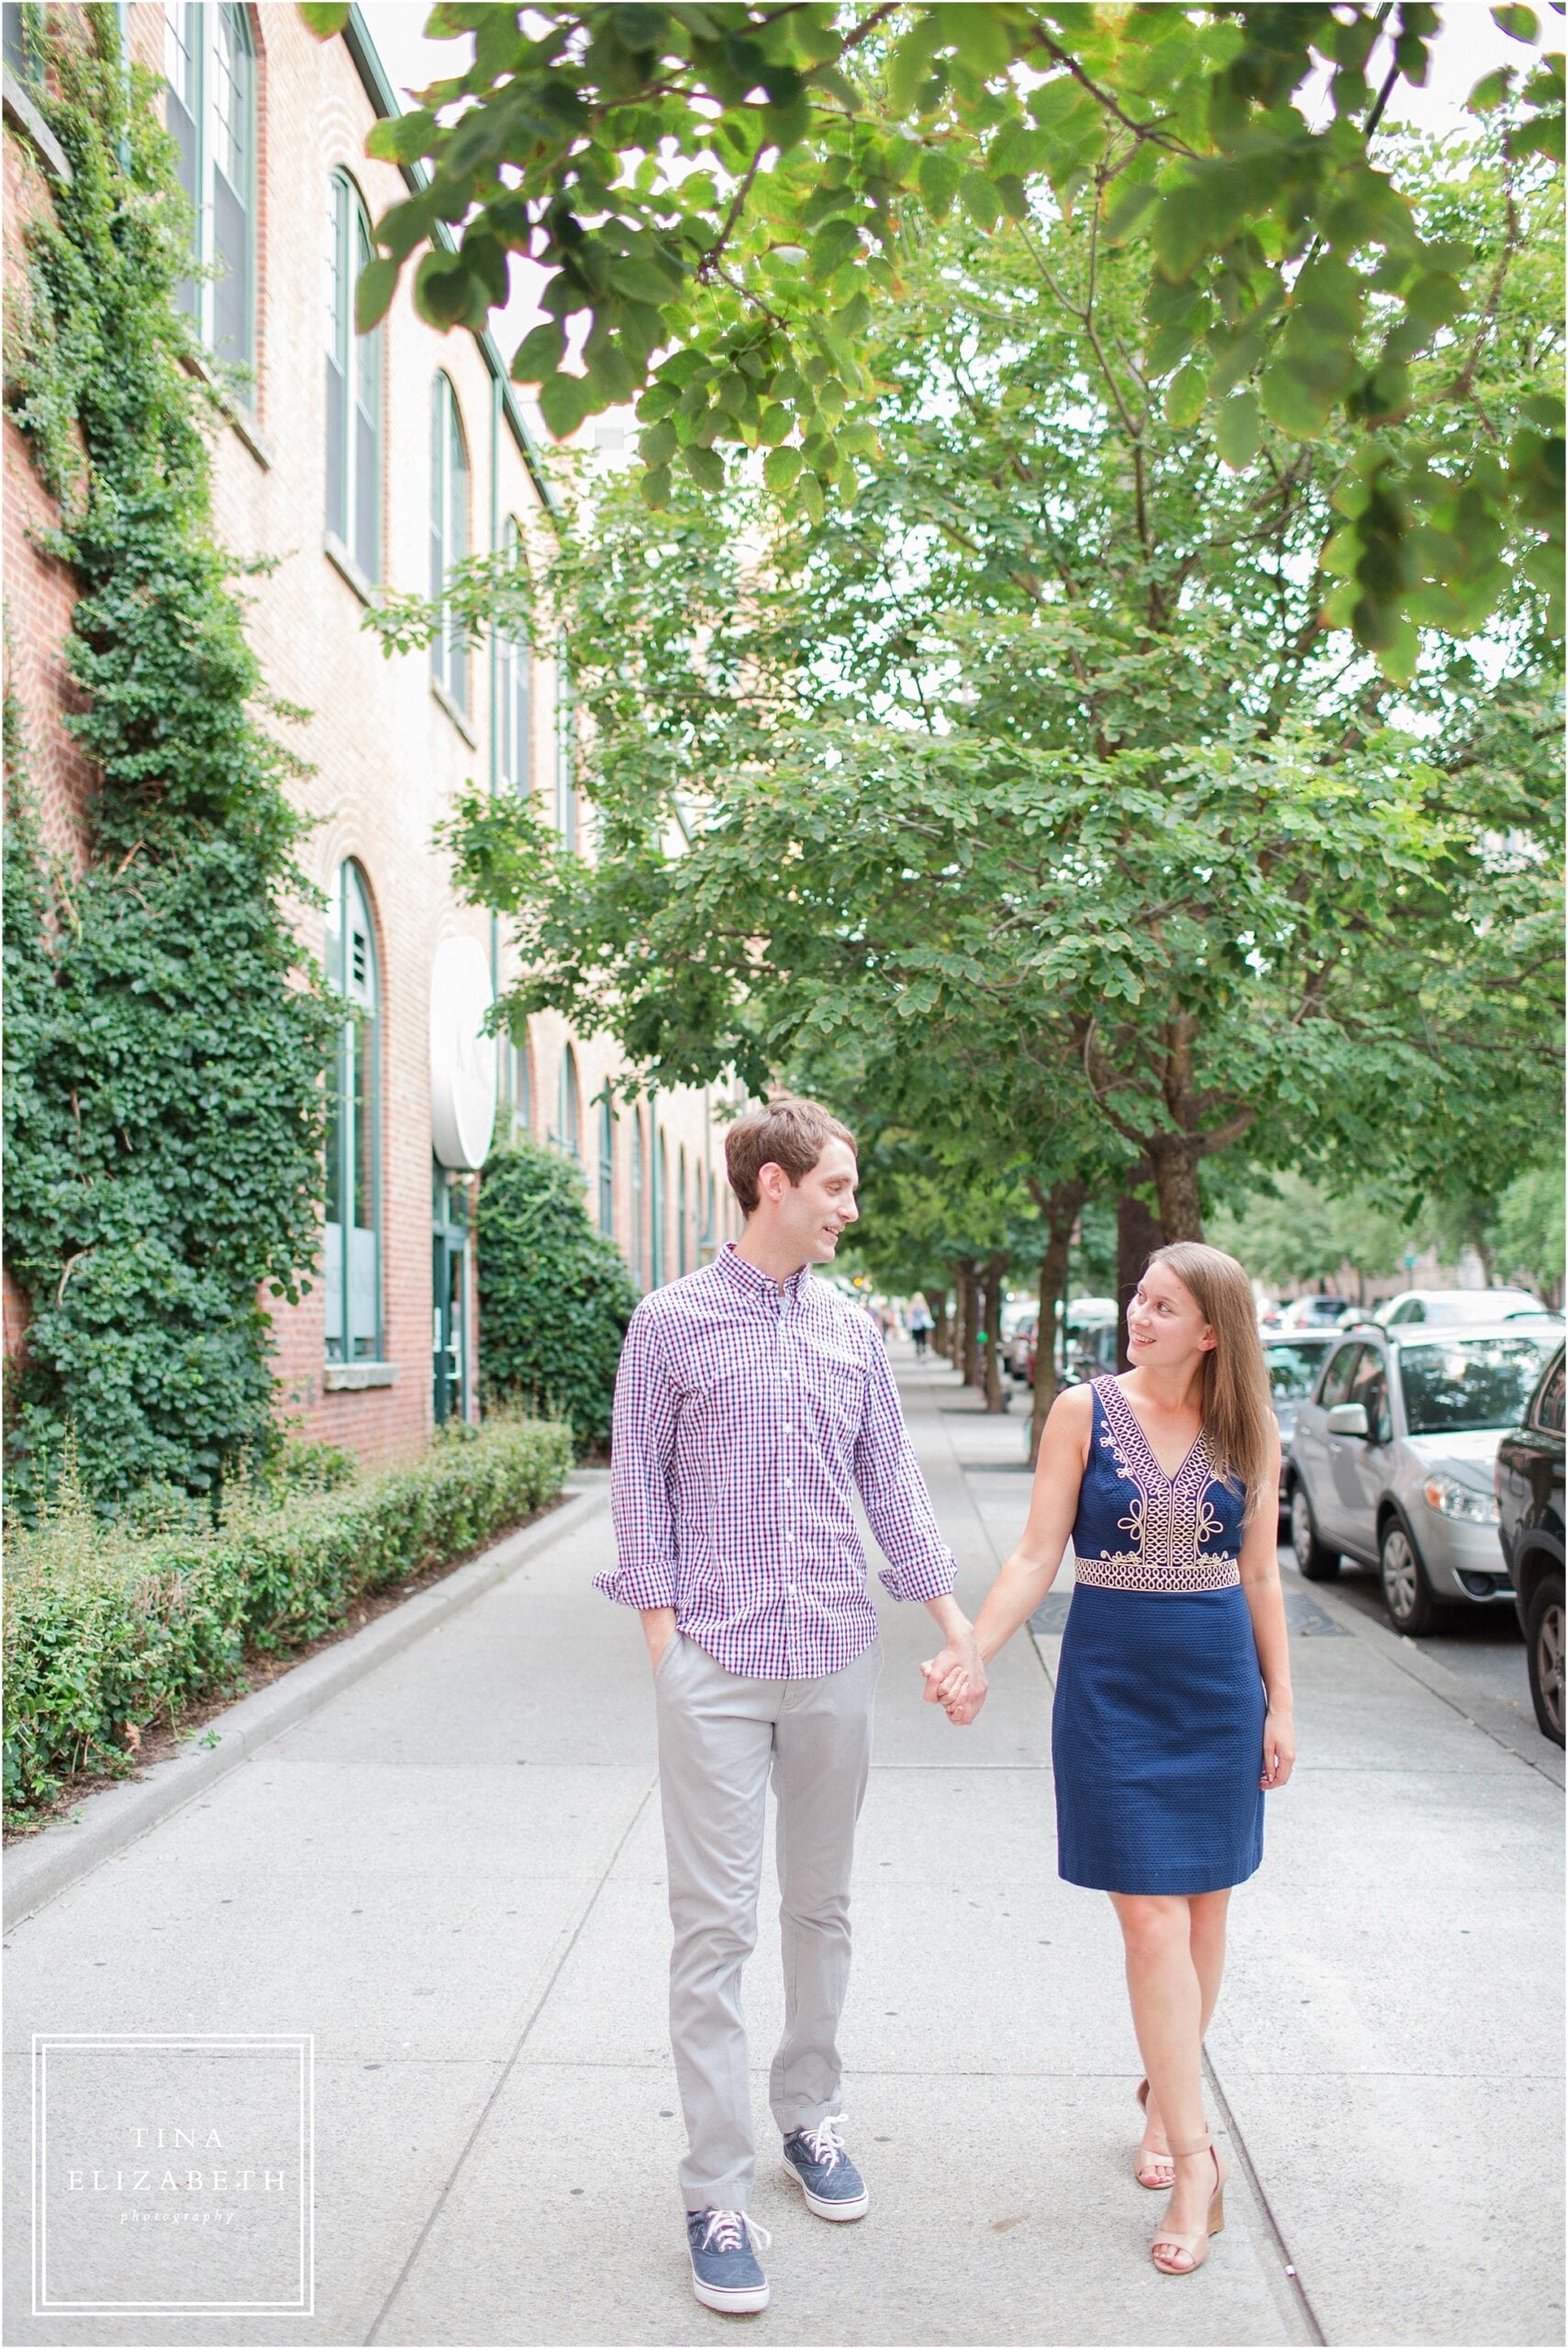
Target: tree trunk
x=969 y=1301
x=1138 y=1234
x=1175 y=1187
x=996 y=1400
x=1059 y=1209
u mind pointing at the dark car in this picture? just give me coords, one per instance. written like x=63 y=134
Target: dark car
x=1529 y=1482
x=1294 y=1357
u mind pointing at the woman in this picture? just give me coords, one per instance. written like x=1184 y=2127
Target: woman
x=920 y=1323
x=1174 y=1711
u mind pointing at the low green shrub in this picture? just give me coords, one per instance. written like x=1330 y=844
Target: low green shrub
x=555 y=1296
x=109 y=1628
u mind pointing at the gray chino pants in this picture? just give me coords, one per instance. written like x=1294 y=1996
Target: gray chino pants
x=721 y=1735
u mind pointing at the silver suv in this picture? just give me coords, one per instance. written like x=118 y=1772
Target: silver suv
x=1390 y=1464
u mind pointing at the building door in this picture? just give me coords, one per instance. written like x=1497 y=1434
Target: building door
x=449 y=1289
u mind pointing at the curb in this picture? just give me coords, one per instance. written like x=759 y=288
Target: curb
x=106 y=1822
x=1515 y=1731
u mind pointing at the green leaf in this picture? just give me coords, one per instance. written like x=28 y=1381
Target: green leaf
x=938 y=175
x=772 y=425
x=323 y=17
x=706 y=467
x=1492 y=90
x=1129 y=212
x=443 y=290
x=1238 y=430
x=373 y=290
x=909 y=65
x=780 y=467
x=1519 y=24
x=656 y=486
x=811 y=495
x=641 y=280
x=979 y=36
x=980 y=199
x=659 y=399
x=1292 y=404
x=658 y=442
x=836 y=241
x=1185 y=397
x=539 y=354
x=563 y=403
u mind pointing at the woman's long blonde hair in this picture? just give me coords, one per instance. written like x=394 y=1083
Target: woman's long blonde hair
x=1238 y=1411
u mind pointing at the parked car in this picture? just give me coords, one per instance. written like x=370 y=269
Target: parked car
x=1450 y=1305
x=1294 y=1357
x=1018 y=1352
x=1314 y=1312
x=1391 y=1460
x=1527 y=1479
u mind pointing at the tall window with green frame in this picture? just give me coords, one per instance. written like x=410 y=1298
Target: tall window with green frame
x=209 y=65
x=565 y=752
x=449 y=537
x=514 y=687
x=353 y=388
x=607 y=1168
x=353 y=1130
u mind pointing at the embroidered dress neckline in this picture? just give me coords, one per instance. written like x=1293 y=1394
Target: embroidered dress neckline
x=1171 y=1480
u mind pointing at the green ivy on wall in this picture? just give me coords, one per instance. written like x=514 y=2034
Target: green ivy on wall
x=166 y=1040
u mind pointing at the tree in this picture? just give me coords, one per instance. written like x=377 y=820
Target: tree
x=554 y=1296
x=718 y=190
x=1039 y=783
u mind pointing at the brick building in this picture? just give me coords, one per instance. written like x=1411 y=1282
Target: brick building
x=364 y=464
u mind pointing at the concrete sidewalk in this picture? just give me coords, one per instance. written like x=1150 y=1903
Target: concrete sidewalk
x=452 y=1875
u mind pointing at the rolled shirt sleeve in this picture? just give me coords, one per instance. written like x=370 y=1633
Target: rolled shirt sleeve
x=920 y=1566
x=642 y=1471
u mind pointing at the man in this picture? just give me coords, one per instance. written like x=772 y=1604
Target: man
x=751 y=1402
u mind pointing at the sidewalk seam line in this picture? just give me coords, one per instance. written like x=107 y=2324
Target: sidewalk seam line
x=1298 y=2292
x=483 y=2114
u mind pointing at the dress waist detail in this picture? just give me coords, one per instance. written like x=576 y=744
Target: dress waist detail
x=1138 y=1528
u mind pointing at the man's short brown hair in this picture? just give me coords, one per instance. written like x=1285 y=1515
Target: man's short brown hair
x=791 y=1132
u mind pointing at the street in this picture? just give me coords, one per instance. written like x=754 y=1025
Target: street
x=452 y=1875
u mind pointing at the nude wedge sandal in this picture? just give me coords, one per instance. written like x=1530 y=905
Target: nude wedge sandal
x=1195 y=2245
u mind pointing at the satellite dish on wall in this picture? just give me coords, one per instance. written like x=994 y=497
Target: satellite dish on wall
x=463 y=1060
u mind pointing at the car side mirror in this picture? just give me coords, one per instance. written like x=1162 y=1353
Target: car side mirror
x=1348 y=1419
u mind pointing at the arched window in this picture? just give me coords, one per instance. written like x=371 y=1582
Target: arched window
x=607 y=1168
x=514 y=691
x=353 y=1130
x=639 y=1179
x=354 y=389
x=661 y=1212
x=565 y=753
x=523 y=1087
x=449 y=537
x=569 y=1136
x=209 y=65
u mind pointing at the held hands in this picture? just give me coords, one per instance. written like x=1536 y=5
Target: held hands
x=1279 y=1750
x=956 y=1680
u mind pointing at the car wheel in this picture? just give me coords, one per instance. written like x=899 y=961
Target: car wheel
x=1406 y=1593
x=1544 y=1656
x=1313 y=1559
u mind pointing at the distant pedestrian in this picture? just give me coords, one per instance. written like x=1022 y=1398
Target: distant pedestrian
x=920 y=1323
x=1174 y=1711
x=751 y=1402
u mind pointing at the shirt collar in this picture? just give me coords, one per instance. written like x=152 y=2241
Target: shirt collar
x=753 y=1281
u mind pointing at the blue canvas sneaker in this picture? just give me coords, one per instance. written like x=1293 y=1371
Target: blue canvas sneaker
x=817 y=2161
x=725 y=2274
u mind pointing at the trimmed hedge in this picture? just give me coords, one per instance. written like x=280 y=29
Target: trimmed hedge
x=554 y=1295
x=106 y=1628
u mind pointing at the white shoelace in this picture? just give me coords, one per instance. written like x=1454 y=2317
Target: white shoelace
x=728 y=2230
x=823 y=2143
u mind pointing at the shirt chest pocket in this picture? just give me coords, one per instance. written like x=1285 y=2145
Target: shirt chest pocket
x=836 y=1387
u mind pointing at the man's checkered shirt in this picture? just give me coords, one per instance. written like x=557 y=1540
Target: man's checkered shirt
x=744 y=1419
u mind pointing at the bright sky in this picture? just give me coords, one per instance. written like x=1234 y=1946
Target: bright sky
x=1469 y=45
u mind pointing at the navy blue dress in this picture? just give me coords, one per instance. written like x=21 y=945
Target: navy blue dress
x=1156 y=1730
